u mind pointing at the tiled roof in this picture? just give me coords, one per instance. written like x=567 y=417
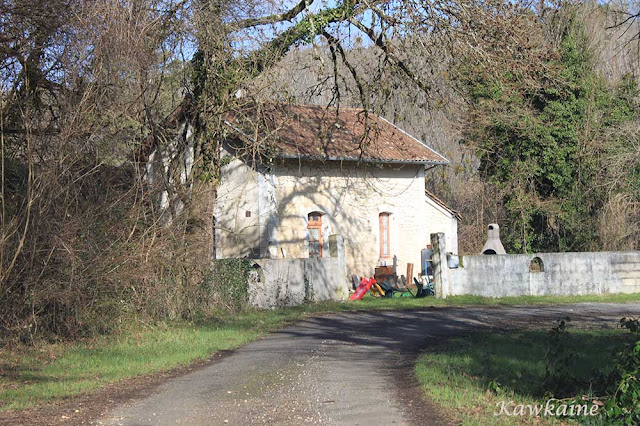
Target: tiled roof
x=329 y=133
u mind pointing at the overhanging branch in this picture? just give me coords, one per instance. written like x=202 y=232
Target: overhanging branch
x=335 y=43
x=272 y=19
x=309 y=27
x=392 y=57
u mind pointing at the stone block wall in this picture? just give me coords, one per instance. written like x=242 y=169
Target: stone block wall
x=350 y=198
x=290 y=282
x=264 y=213
x=538 y=274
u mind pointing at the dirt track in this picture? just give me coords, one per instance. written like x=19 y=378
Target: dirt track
x=354 y=369
x=337 y=369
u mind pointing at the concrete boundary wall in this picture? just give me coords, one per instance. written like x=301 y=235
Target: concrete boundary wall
x=536 y=274
x=290 y=282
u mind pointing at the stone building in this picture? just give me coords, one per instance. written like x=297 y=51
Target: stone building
x=332 y=171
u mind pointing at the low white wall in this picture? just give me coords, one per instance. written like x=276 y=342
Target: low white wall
x=290 y=282
x=563 y=274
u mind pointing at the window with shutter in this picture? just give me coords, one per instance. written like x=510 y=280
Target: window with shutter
x=315 y=234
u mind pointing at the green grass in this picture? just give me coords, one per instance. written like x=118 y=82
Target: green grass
x=47 y=372
x=372 y=303
x=541 y=300
x=33 y=375
x=470 y=375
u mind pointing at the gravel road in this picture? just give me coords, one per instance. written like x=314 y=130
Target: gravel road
x=352 y=369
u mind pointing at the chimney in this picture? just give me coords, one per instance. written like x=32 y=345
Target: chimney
x=493 y=244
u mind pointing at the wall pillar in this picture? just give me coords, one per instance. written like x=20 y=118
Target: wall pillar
x=337 y=250
x=440 y=267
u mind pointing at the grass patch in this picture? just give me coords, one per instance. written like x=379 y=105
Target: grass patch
x=380 y=303
x=542 y=300
x=469 y=376
x=46 y=372
x=373 y=303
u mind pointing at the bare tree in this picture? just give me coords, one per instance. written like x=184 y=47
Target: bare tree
x=90 y=231
x=80 y=82
x=240 y=43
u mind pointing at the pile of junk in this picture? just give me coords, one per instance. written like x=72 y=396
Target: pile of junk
x=387 y=283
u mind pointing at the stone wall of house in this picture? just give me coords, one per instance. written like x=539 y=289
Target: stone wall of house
x=265 y=214
x=237 y=211
x=537 y=274
x=351 y=197
x=442 y=220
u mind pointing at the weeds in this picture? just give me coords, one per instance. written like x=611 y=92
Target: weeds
x=558 y=379
x=571 y=368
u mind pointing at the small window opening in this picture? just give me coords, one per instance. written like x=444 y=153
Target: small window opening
x=385 y=235
x=536 y=265
x=315 y=234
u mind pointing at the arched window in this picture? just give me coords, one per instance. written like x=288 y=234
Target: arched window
x=536 y=265
x=315 y=234
x=385 y=235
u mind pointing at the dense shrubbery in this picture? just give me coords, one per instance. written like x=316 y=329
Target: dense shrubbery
x=623 y=405
x=67 y=278
x=96 y=258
